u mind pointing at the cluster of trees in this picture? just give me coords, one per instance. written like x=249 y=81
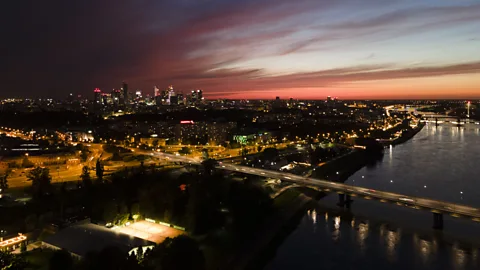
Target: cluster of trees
x=4 y=180
x=201 y=201
x=320 y=154
x=11 y=261
x=84 y=151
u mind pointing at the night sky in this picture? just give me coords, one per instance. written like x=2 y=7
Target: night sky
x=242 y=48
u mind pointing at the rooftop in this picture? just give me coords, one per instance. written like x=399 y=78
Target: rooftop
x=81 y=239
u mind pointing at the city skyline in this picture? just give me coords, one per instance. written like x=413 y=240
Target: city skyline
x=245 y=49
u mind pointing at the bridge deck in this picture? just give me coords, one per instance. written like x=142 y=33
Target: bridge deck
x=436 y=206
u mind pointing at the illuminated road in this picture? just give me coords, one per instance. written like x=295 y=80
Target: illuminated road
x=435 y=206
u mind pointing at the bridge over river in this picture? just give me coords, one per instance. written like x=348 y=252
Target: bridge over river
x=345 y=191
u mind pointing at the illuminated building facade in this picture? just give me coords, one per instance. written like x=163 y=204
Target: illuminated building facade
x=191 y=132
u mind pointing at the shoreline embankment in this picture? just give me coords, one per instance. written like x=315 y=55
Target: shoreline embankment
x=338 y=170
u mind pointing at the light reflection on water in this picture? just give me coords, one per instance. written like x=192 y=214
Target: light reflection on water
x=352 y=244
x=443 y=158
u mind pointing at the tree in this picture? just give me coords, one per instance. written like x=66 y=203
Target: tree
x=110 y=212
x=86 y=178
x=83 y=155
x=205 y=153
x=109 y=258
x=140 y=254
x=99 y=170
x=4 y=180
x=184 y=151
x=135 y=211
x=209 y=165
x=41 y=181
x=270 y=153
x=30 y=222
x=155 y=143
x=61 y=260
x=23 y=246
x=181 y=253
x=11 y=261
x=26 y=163
x=243 y=151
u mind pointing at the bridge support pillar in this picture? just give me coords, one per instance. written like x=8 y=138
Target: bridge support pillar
x=437 y=221
x=341 y=200
x=348 y=200
x=344 y=200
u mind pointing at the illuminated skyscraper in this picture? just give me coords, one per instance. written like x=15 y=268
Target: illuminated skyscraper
x=116 y=96
x=199 y=95
x=97 y=98
x=180 y=99
x=156 y=91
x=125 y=93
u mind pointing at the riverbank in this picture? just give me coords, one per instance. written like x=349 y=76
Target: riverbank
x=408 y=135
x=251 y=251
x=256 y=253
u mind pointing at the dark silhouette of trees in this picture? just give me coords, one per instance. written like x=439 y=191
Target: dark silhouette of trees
x=4 y=180
x=179 y=253
x=99 y=170
x=61 y=260
x=184 y=151
x=26 y=163
x=41 y=181
x=270 y=153
x=86 y=178
x=248 y=205
x=110 y=258
x=11 y=261
x=209 y=165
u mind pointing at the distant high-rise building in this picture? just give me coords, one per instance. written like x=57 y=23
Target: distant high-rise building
x=97 y=98
x=116 y=96
x=278 y=103
x=193 y=96
x=180 y=99
x=156 y=91
x=199 y=95
x=70 y=98
x=125 y=93
x=107 y=99
x=174 y=100
x=170 y=94
x=329 y=99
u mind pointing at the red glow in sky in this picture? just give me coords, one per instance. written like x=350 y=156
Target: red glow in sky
x=244 y=48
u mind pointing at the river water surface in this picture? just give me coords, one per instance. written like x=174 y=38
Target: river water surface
x=439 y=162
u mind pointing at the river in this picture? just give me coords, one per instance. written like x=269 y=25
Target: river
x=439 y=162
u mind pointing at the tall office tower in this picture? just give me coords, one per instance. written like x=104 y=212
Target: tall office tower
x=199 y=95
x=97 y=98
x=278 y=103
x=107 y=99
x=70 y=98
x=125 y=93
x=174 y=100
x=180 y=99
x=156 y=91
x=329 y=99
x=170 y=94
x=116 y=96
x=193 y=97
x=468 y=108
